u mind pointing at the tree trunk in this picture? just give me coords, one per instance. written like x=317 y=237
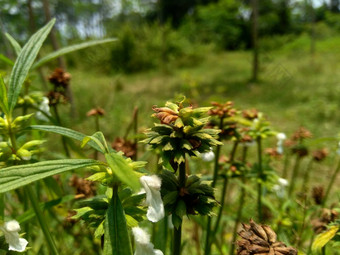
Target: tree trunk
x=32 y=29
x=61 y=61
x=255 y=15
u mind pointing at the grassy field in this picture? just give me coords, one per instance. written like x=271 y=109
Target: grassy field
x=295 y=88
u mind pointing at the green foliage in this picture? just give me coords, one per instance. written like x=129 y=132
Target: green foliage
x=322 y=239
x=197 y=197
x=116 y=239
x=217 y=23
x=24 y=62
x=18 y=176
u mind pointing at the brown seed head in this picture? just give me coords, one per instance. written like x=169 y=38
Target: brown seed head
x=320 y=155
x=261 y=239
x=127 y=147
x=60 y=78
x=85 y=187
x=250 y=114
x=318 y=194
x=222 y=110
x=272 y=152
x=301 y=133
x=327 y=216
x=165 y=115
x=95 y=111
x=55 y=98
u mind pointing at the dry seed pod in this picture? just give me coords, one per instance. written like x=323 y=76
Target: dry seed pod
x=258 y=230
x=259 y=240
x=270 y=234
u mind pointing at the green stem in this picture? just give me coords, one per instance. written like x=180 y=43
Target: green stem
x=302 y=229
x=223 y=193
x=178 y=231
x=259 y=178
x=208 y=228
x=41 y=219
x=285 y=166
x=331 y=182
x=241 y=204
x=34 y=201
x=306 y=176
x=294 y=175
x=63 y=139
x=97 y=128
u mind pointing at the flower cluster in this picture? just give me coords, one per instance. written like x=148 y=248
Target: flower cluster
x=181 y=132
x=197 y=197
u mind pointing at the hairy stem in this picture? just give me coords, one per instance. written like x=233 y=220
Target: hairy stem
x=178 y=231
x=241 y=204
x=294 y=175
x=259 y=178
x=331 y=183
x=208 y=228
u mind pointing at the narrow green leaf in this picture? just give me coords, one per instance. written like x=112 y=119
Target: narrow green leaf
x=116 y=237
x=123 y=170
x=99 y=139
x=70 y=49
x=6 y=60
x=16 y=46
x=322 y=239
x=66 y=132
x=17 y=176
x=3 y=96
x=24 y=62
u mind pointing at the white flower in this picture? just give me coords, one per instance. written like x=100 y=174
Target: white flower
x=143 y=245
x=43 y=107
x=152 y=186
x=279 y=188
x=11 y=231
x=280 y=137
x=208 y=156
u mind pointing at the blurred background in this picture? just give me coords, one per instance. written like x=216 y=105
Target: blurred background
x=279 y=56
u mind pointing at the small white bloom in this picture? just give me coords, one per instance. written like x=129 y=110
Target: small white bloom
x=280 y=137
x=43 y=107
x=152 y=186
x=279 y=188
x=11 y=231
x=143 y=245
x=208 y=156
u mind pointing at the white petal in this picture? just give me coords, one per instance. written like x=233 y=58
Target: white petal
x=19 y=246
x=143 y=245
x=12 y=226
x=281 y=136
x=208 y=156
x=152 y=185
x=11 y=231
x=140 y=235
x=283 y=182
